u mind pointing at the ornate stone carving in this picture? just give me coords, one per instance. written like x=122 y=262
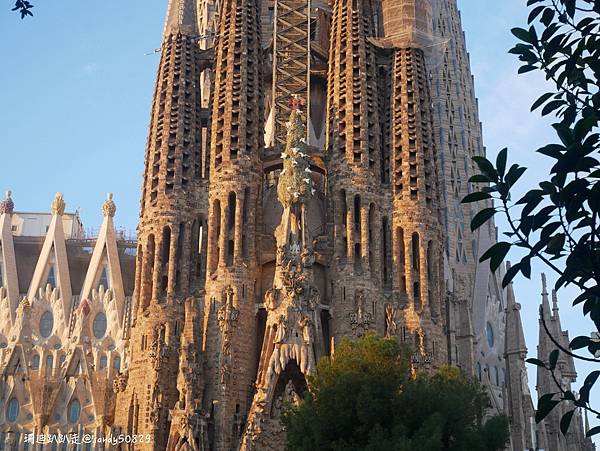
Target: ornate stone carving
x=227 y=316
x=295 y=184
x=391 y=327
x=58 y=205
x=272 y=298
x=293 y=279
x=360 y=319
x=158 y=348
x=109 y=208
x=120 y=382
x=306 y=326
x=281 y=333
x=7 y=206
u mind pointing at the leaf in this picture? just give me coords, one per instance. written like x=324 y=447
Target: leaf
x=486 y=167
x=514 y=174
x=482 y=217
x=501 y=162
x=527 y=68
x=535 y=12
x=552 y=150
x=523 y=35
x=536 y=362
x=552 y=359
x=570 y=6
x=593 y=431
x=545 y=406
x=510 y=274
x=579 y=342
x=551 y=106
x=541 y=100
x=556 y=244
x=547 y=16
x=496 y=254
x=565 y=421
x=479 y=178
x=476 y=197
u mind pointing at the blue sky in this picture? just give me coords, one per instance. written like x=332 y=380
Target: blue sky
x=77 y=87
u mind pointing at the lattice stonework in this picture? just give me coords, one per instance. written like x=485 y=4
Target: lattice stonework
x=291 y=55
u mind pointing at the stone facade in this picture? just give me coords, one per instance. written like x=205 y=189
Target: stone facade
x=65 y=312
x=303 y=175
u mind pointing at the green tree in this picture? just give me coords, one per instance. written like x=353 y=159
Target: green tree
x=365 y=399
x=556 y=222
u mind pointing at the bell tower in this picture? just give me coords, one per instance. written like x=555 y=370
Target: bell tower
x=170 y=258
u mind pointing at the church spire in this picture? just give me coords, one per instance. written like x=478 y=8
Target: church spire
x=181 y=18
x=515 y=353
x=170 y=262
x=515 y=338
x=9 y=284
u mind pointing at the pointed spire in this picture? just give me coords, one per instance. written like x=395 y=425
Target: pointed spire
x=545 y=307
x=53 y=257
x=106 y=255
x=181 y=18
x=554 y=303
x=9 y=283
x=514 y=336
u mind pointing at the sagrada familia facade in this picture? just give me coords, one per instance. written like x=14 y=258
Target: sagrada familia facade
x=304 y=171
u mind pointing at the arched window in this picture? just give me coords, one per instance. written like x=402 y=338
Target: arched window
x=12 y=410
x=73 y=411
x=357 y=212
x=103 y=362
x=99 y=325
x=46 y=324
x=479 y=375
x=35 y=361
x=49 y=361
x=497 y=376
x=165 y=254
x=117 y=363
x=489 y=333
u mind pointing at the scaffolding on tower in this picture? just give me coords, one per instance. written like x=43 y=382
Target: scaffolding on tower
x=291 y=61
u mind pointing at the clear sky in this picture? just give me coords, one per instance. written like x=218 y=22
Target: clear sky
x=77 y=86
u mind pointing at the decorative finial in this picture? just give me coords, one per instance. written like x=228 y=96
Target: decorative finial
x=544 y=290
x=25 y=304
x=7 y=205
x=295 y=183
x=554 y=300
x=58 y=205
x=109 y=207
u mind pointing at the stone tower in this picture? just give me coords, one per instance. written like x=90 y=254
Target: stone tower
x=170 y=264
x=237 y=134
x=518 y=404
x=353 y=157
x=417 y=271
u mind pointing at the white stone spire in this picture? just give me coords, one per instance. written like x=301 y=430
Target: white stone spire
x=53 y=258
x=9 y=282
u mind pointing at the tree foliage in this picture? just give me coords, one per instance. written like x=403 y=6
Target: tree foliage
x=23 y=7
x=365 y=399
x=557 y=222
